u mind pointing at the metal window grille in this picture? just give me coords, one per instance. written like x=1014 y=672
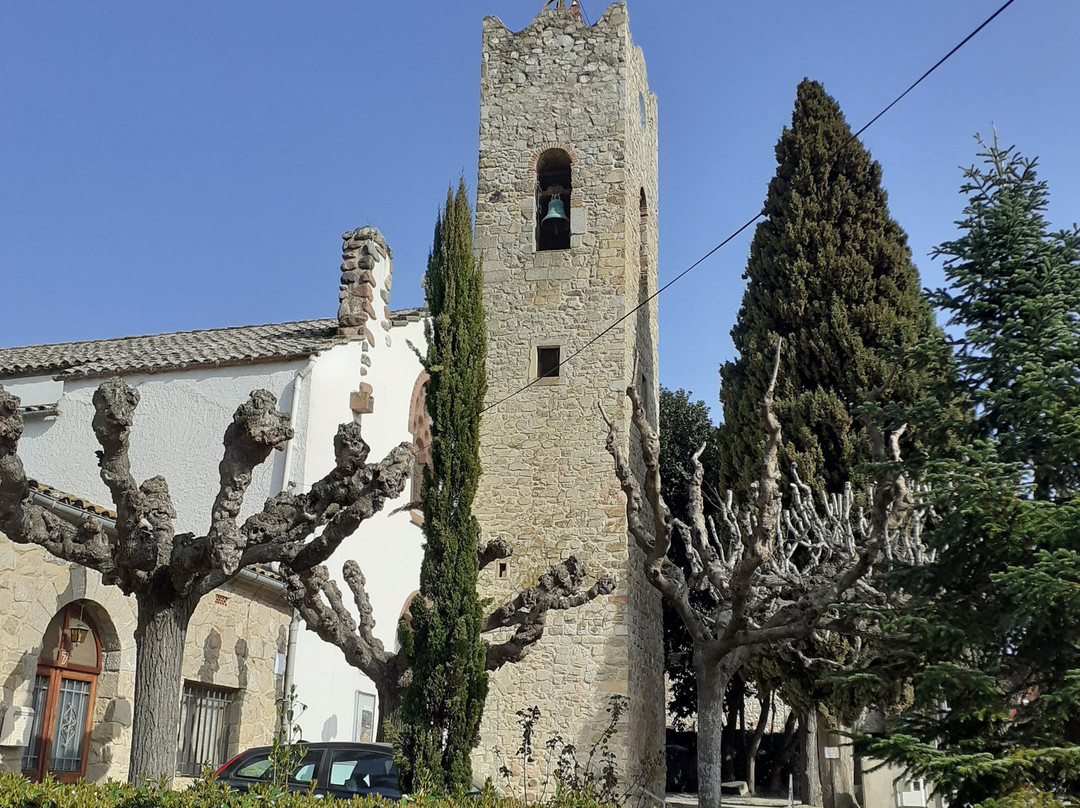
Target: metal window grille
x=33 y=750
x=206 y=723
x=70 y=727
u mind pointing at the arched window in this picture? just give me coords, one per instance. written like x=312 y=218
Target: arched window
x=63 y=696
x=420 y=429
x=553 y=187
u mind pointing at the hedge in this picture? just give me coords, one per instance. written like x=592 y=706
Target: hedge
x=18 y=792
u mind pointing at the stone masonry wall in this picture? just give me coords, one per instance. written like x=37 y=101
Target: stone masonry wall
x=233 y=641
x=548 y=484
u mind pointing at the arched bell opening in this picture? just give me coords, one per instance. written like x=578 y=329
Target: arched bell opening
x=553 y=186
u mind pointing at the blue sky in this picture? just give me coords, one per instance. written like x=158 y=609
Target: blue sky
x=172 y=166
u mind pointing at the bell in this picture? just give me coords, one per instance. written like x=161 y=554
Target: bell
x=556 y=218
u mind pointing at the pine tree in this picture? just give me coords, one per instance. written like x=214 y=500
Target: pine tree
x=1015 y=290
x=442 y=706
x=831 y=273
x=991 y=636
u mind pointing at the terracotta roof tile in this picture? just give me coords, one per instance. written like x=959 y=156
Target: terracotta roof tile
x=153 y=353
x=72 y=500
x=159 y=352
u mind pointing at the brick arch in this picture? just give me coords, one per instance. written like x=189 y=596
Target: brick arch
x=546 y=147
x=73 y=670
x=406 y=615
x=420 y=429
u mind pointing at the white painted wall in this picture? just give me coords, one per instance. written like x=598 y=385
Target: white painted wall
x=388 y=547
x=178 y=430
x=35 y=391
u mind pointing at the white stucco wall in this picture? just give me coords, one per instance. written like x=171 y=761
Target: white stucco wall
x=387 y=547
x=178 y=430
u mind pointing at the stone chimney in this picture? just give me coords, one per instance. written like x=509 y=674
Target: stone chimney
x=364 y=295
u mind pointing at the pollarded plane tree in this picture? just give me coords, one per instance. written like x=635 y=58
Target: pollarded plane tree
x=322 y=605
x=168 y=573
x=774 y=572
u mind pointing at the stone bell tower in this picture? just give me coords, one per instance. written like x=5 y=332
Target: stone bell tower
x=566 y=224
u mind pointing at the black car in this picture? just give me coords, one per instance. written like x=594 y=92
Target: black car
x=332 y=769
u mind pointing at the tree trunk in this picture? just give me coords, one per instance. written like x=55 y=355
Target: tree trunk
x=712 y=681
x=808 y=771
x=389 y=711
x=838 y=773
x=755 y=741
x=783 y=754
x=159 y=655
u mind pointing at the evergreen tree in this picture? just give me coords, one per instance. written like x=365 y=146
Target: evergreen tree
x=685 y=426
x=831 y=273
x=443 y=703
x=991 y=635
x=1015 y=290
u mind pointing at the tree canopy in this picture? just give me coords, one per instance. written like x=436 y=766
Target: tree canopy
x=830 y=272
x=991 y=635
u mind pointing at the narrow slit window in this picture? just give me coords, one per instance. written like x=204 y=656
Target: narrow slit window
x=547 y=363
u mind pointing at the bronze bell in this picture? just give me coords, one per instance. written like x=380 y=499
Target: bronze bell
x=556 y=218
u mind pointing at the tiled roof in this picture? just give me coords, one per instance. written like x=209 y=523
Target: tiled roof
x=72 y=501
x=403 y=316
x=39 y=410
x=159 y=352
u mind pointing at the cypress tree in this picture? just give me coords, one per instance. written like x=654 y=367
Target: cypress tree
x=830 y=272
x=442 y=706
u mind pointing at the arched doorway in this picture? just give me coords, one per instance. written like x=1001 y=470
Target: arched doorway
x=63 y=696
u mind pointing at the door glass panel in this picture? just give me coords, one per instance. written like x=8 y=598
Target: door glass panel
x=364 y=719
x=31 y=757
x=71 y=706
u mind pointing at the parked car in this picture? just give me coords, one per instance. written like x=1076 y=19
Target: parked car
x=332 y=769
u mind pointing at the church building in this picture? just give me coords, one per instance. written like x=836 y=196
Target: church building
x=566 y=223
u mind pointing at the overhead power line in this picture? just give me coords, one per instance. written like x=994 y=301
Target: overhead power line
x=755 y=217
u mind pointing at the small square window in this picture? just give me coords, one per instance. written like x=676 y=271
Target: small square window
x=503 y=570
x=547 y=363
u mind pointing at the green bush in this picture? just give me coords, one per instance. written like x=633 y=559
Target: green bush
x=18 y=792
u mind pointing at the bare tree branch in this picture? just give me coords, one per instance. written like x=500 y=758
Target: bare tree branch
x=559 y=588
x=27 y=523
x=773 y=571
x=256 y=430
x=319 y=602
